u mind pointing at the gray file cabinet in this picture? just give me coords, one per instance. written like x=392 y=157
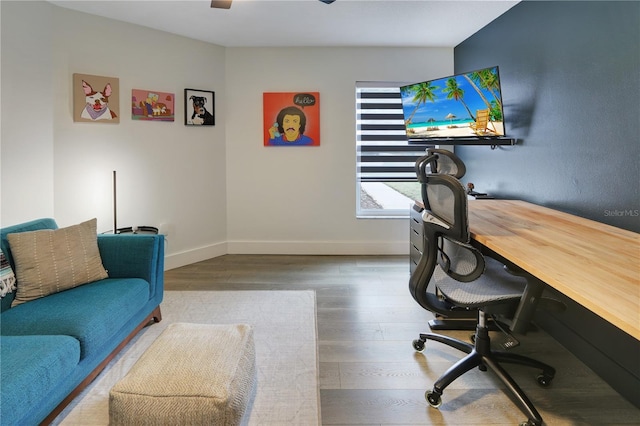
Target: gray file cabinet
x=416 y=244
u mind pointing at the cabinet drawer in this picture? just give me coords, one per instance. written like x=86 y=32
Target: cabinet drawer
x=415 y=238
x=414 y=258
x=412 y=265
x=415 y=254
x=415 y=215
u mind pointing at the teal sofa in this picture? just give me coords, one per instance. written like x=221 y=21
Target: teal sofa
x=53 y=347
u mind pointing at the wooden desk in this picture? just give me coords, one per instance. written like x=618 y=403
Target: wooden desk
x=596 y=265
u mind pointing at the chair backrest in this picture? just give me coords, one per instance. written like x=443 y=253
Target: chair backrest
x=446 y=232
x=482 y=121
x=438 y=161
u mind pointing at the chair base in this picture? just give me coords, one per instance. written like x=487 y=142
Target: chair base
x=448 y=323
x=480 y=355
x=452 y=324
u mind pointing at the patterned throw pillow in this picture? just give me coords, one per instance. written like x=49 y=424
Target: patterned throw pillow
x=49 y=261
x=7 y=277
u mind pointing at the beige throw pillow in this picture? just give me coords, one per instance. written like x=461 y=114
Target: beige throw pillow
x=49 y=261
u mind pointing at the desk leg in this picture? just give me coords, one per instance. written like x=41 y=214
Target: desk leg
x=528 y=304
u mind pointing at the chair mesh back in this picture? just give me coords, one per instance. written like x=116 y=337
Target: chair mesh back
x=445 y=165
x=441 y=201
x=458 y=260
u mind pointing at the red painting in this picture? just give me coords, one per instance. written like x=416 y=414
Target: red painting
x=291 y=119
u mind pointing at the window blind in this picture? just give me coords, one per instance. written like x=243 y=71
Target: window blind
x=383 y=153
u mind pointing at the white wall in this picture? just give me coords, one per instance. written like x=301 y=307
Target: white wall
x=27 y=119
x=168 y=173
x=217 y=188
x=303 y=199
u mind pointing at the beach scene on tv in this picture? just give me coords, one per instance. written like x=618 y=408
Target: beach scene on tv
x=463 y=105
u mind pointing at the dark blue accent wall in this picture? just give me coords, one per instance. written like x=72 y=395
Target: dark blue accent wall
x=570 y=75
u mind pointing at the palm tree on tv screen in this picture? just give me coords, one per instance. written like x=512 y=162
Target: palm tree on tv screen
x=495 y=112
x=454 y=91
x=422 y=92
x=487 y=79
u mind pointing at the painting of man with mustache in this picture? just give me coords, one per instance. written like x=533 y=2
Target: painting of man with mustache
x=292 y=126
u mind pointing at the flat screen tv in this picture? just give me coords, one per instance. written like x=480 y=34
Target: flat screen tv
x=460 y=107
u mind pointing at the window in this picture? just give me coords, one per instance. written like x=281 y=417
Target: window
x=385 y=177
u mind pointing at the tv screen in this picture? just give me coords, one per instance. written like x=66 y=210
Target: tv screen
x=466 y=106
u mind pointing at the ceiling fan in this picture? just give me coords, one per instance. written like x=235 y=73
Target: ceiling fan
x=226 y=4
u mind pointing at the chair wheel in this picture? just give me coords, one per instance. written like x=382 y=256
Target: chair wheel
x=418 y=345
x=544 y=380
x=434 y=399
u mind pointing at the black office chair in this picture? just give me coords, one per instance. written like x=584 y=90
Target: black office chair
x=466 y=280
x=448 y=316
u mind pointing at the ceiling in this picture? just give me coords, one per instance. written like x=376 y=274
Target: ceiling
x=285 y=23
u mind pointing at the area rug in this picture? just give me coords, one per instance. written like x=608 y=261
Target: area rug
x=286 y=353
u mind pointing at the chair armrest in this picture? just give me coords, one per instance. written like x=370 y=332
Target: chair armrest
x=134 y=256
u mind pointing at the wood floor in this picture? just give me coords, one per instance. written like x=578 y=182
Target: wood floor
x=369 y=372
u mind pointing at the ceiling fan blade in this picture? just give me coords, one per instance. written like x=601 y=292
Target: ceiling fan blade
x=226 y=4
x=221 y=4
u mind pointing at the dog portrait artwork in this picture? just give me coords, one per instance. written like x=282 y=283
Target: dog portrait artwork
x=200 y=114
x=97 y=103
x=199 y=108
x=95 y=99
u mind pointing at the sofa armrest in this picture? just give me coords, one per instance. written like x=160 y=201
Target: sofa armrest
x=134 y=256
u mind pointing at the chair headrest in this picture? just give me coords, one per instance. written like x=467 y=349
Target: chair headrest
x=439 y=161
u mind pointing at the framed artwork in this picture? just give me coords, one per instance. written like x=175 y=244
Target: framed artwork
x=152 y=105
x=96 y=99
x=199 y=107
x=291 y=118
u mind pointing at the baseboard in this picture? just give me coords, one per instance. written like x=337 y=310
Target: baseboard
x=176 y=260
x=319 y=247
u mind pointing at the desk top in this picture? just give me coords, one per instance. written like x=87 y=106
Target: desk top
x=596 y=265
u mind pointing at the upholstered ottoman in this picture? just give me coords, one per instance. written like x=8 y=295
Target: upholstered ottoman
x=193 y=374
